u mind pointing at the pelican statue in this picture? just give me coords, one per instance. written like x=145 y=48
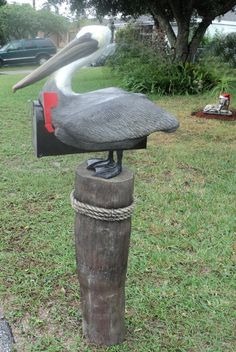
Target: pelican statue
x=109 y=119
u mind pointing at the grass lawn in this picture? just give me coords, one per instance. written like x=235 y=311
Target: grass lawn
x=180 y=289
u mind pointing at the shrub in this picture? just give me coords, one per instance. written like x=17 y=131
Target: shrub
x=226 y=48
x=146 y=68
x=221 y=46
x=165 y=78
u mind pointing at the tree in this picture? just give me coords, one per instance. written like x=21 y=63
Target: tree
x=2 y=3
x=22 y=21
x=51 y=5
x=18 y=21
x=51 y=23
x=192 y=17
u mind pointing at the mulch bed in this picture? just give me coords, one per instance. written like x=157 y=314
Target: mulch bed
x=203 y=115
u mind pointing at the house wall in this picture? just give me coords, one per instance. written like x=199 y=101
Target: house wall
x=217 y=27
x=221 y=27
x=225 y=24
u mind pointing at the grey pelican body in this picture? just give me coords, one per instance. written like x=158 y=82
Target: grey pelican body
x=106 y=119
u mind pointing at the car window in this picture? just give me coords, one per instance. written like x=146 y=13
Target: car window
x=30 y=44
x=4 y=47
x=15 y=46
x=45 y=43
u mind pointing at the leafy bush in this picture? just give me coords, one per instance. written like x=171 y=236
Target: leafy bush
x=145 y=69
x=221 y=46
x=226 y=48
x=167 y=78
x=134 y=36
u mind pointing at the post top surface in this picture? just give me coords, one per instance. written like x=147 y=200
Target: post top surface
x=125 y=175
x=116 y=192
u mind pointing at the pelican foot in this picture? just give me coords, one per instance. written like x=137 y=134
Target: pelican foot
x=92 y=161
x=108 y=171
x=92 y=164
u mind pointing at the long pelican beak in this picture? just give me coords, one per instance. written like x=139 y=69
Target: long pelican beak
x=76 y=49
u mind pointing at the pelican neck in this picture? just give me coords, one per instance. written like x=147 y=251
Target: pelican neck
x=63 y=76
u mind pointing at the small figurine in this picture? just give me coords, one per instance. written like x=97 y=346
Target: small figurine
x=222 y=108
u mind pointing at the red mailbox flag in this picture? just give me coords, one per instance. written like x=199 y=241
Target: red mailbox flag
x=50 y=100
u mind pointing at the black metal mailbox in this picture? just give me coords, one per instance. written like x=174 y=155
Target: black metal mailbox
x=46 y=143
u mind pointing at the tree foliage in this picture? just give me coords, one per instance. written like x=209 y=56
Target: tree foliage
x=52 y=23
x=51 y=5
x=141 y=67
x=18 y=21
x=222 y=47
x=183 y=12
x=22 y=21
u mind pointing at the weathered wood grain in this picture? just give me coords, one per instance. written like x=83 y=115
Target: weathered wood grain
x=102 y=252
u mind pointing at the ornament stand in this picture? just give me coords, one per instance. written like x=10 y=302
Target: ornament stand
x=102 y=236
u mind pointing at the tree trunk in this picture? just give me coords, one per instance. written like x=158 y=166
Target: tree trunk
x=185 y=51
x=165 y=25
x=182 y=47
x=197 y=37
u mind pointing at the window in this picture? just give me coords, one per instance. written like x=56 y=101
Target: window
x=30 y=44
x=15 y=46
x=45 y=43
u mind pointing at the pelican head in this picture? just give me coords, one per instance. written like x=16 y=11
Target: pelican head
x=87 y=46
x=101 y=34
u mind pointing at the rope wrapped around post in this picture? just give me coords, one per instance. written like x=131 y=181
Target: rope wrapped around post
x=99 y=213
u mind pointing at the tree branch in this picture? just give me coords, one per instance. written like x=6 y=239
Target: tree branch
x=214 y=9
x=164 y=23
x=198 y=35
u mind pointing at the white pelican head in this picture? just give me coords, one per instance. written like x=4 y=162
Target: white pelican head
x=87 y=46
x=101 y=34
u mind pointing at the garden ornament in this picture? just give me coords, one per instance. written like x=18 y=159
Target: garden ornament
x=109 y=119
x=222 y=108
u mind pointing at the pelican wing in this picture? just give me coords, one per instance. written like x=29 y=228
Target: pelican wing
x=110 y=115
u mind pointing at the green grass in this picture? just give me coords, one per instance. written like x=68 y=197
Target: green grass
x=180 y=285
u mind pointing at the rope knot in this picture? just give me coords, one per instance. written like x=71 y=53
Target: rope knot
x=101 y=213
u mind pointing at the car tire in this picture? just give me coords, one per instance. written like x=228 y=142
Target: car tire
x=42 y=59
x=1 y=63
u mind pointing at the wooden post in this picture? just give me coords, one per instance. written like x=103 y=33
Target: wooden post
x=102 y=253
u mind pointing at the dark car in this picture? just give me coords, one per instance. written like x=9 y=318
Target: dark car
x=27 y=51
